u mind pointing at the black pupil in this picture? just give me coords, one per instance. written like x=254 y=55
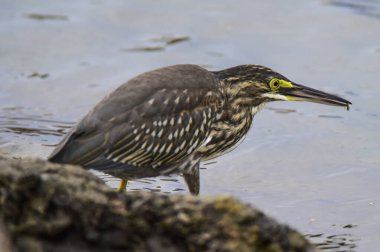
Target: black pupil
x=275 y=84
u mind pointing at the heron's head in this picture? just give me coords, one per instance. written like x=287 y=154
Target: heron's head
x=253 y=85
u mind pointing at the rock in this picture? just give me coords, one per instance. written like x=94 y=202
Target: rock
x=51 y=207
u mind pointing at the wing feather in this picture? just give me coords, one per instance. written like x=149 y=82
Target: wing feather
x=156 y=119
x=166 y=148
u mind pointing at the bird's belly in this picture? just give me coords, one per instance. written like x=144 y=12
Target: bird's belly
x=131 y=172
x=128 y=171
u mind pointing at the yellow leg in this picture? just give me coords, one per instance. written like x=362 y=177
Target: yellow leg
x=122 y=185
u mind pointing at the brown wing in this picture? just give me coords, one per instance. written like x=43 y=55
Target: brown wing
x=163 y=139
x=155 y=119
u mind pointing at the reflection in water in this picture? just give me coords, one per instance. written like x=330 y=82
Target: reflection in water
x=330 y=116
x=281 y=110
x=208 y=163
x=169 y=179
x=42 y=17
x=38 y=75
x=161 y=184
x=334 y=243
x=171 y=40
x=158 y=44
x=144 y=49
x=26 y=135
x=365 y=7
x=178 y=189
x=33 y=126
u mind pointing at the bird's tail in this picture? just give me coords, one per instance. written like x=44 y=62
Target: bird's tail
x=78 y=148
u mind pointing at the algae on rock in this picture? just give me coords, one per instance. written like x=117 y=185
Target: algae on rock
x=51 y=207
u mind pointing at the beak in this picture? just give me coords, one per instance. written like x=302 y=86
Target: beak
x=302 y=93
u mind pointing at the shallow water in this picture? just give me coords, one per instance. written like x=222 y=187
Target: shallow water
x=312 y=166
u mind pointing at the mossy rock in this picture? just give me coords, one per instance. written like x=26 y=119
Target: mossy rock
x=51 y=207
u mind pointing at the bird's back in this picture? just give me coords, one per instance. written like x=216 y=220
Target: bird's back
x=135 y=125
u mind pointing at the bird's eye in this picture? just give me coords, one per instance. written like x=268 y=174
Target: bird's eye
x=274 y=84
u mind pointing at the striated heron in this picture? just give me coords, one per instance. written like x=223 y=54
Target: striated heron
x=168 y=120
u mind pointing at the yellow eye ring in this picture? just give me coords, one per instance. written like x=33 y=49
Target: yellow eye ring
x=274 y=84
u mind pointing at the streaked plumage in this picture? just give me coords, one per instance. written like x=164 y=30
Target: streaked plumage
x=168 y=120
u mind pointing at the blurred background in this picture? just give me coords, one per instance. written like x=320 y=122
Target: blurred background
x=314 y=167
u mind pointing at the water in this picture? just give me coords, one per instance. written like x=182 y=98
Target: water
x=314 y=167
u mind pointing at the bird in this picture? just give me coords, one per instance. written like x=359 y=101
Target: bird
x=168 y=120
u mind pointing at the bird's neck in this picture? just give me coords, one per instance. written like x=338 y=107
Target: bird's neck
x=229 y=128
x=240 y=115
x=256 y=109
x=239 y=102
x=231 y=124
x=238 y=111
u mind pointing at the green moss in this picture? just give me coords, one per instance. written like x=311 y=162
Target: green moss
x=27 y=243
x=50 y=207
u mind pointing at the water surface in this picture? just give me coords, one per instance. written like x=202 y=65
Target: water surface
x=314 y=167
